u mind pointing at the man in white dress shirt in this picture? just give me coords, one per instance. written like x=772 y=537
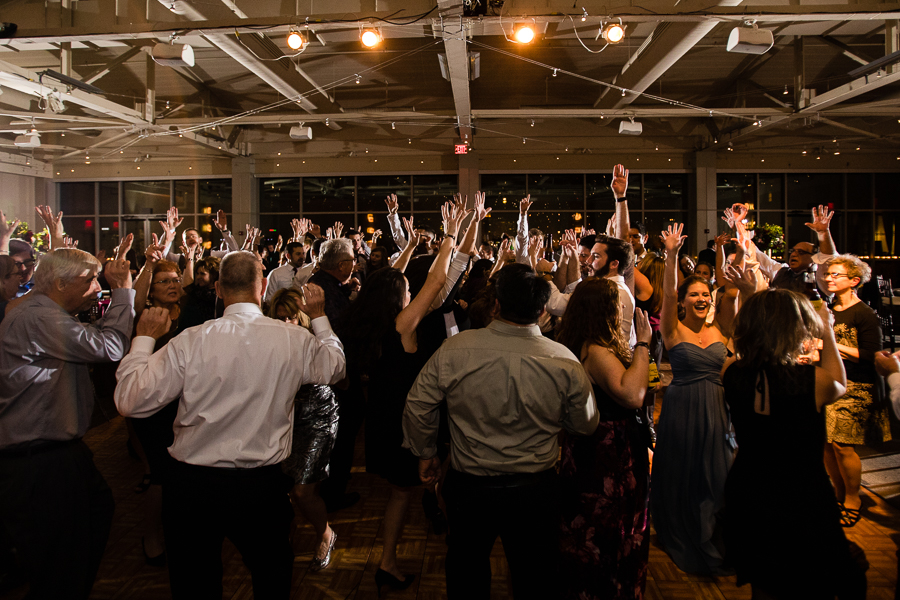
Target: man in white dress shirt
x=293 y=273
x=234 y=379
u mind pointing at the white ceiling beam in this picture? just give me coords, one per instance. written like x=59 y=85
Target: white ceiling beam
x=456 y=49
x=846 y=92
x=28 y=82
x=124 y=57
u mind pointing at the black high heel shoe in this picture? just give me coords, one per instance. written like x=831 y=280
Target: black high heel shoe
x=383 y=578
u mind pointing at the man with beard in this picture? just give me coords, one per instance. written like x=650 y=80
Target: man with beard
x=612 y=258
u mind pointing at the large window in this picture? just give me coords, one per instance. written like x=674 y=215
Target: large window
x=98 y=214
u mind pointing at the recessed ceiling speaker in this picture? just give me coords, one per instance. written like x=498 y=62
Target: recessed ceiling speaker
x=630 y=128
x=301 y=133
x=170 y=55
x=750 y=40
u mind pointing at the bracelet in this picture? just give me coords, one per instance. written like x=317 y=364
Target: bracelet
x=644 y=344
x=225 y=231
x=622 y=199
x=452 y=237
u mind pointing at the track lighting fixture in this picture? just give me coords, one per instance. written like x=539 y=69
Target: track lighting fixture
x=613 y=33
x=523 y=33
x=296 y=40
x=370 y=37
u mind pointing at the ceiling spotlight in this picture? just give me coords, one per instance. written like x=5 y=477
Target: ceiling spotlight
x=295 y=40
x=523 y=33
x=532 y=122
x=785 y=91
x=613 y=33
x=750 y=39
x=370 y=37
x=523 y=140
x=555 y=71
x=393 y=126
x=170 y=55
x=585 y=15
x=56 y=104
x=358 y=79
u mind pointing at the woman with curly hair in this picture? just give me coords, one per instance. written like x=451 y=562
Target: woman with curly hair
x=315 y=428
x=605 y=539
x=860 y=416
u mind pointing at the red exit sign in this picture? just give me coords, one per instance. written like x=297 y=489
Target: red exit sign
x=461 y=149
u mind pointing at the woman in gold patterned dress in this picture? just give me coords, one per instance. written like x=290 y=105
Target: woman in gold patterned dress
x=859 y=417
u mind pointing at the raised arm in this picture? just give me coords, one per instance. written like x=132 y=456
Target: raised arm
x=410 y=317
x=566 y=253
x=54 y=226
x=831 y=378
x=673 y=241
x=394 y=221
x=170 y=225
x=522 y=255
x=721 y=242
x=821 y=224
x=6 y=232
x=221 y=222
x=619 y=187
x=502 y=257
x=403 y=260
x=153 y=254
x=190 y=256
x=626 y=386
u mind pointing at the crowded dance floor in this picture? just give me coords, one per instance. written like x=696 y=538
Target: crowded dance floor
x=459 y=299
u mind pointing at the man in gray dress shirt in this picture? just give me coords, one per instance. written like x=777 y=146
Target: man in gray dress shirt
x=509 y=391
x=53 y=501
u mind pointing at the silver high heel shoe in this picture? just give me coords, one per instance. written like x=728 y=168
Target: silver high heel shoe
x=317 y=564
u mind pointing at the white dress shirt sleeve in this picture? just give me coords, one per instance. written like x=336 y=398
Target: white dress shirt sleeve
x=397 y=230
x=893 y=382
x=522 y=240
x=454 y=272
x=558 y=302
x=148 y=381
x=767 y=266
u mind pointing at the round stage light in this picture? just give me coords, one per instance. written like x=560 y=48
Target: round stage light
x=370 y=38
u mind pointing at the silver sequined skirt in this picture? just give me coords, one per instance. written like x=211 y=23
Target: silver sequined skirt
x=315 y=427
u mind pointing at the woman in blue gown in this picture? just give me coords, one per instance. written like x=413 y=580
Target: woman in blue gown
x=695 y=445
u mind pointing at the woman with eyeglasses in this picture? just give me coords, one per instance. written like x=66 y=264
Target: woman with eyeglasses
x=859 y=417
x=157 y=285
x=315 y=429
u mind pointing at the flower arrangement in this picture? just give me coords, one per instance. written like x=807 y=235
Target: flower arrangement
x=769 y=238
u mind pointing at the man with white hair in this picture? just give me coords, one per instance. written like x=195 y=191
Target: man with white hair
x=53 y=500
x=235 y=379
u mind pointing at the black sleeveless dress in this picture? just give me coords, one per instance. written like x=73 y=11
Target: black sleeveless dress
x=782 y=523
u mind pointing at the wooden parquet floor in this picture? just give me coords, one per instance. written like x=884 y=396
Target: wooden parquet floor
x=123 y=574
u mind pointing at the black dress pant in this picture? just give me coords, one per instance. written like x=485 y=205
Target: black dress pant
x=204 y=505
x=522 y=509
x=351 y=414
x=58 y=510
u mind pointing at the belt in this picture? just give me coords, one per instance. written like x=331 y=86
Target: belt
x=509 y=480
x=39 y=448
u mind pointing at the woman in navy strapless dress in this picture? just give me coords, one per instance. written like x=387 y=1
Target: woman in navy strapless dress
x=695 y=444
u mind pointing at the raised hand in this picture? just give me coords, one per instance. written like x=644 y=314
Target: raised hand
x=619 y=184
x=329 y=233
x=6 y=230
x=54 y=226
x=729 y=218
x=124 y=247
x=68 y=242
x=154 y=251
x=392 y=204
x=452 y=216
x=611 y=227
x=338 y=229
x=101 y=255
x=316 y=230
x=118 y=274
x=525 y=204
x=314 y=299
x=154 y=322
x=722 y=239
x=480 y=211
x=739 y=212
x=279 y=243
x=221 y=220
x=375 y=235
x=190 y=254
x=642 y=330
x=672 y=238
x=743 y=279
x=821 y=219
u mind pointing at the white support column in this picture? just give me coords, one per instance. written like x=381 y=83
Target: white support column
x=244 y=195
x=706 y=216
x=892 y=41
